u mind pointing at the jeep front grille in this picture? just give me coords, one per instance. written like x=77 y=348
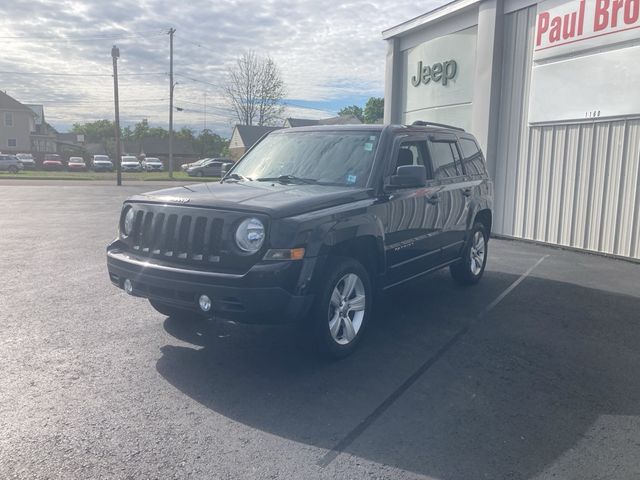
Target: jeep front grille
x=177 y=237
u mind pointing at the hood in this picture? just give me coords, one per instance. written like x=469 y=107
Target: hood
x=273 y=199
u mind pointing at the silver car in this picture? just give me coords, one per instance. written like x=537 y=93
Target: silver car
x=10 y=163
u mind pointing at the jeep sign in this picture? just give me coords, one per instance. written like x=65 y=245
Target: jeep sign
x=437 y=72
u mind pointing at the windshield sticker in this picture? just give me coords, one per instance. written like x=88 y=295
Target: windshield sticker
x=351 y=179
x=368 y=147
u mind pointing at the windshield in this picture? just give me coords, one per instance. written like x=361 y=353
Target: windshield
x=101 y=158
x=336 y=157
x=76 y=160
x=130 y=159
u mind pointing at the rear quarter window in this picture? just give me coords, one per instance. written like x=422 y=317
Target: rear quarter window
x=472 y=157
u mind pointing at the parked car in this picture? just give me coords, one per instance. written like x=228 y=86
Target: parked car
x=10 y=163
x=309 y=226
x=76 y=164
x=101 y=163
x=187 y=166
x=152 y=164
x=52 y=162
x=130 y=164
x=27 y=160
x=210 y=168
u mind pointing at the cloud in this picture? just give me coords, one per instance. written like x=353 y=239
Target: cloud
x=331 y=53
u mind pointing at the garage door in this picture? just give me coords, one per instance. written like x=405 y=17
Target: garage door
x=579 y=186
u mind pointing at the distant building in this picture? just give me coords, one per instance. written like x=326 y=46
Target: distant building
x=245 y=136
x=44 y=138
x=306 y=122
x=183 y=151
x=17 y=122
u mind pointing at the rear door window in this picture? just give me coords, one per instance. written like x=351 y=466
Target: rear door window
x=445 y=159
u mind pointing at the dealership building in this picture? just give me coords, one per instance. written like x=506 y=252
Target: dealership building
x=551 y=90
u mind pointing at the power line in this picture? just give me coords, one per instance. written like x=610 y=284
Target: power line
x=195 y=80
x=84 y=38
x=47 y=74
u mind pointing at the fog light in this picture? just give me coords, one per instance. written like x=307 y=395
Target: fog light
x=128 y=286
x=205 y=303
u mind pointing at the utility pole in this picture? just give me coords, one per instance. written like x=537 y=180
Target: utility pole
x=115 y=53
x=171 y=85
x=205 y=110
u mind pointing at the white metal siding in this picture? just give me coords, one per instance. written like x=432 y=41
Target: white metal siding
x=581 y=187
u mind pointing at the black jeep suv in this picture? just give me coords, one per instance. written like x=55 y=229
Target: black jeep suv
x=308 y=226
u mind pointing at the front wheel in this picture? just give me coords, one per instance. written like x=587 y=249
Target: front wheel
x=342 y=308
x=199 y=174
x=470 y=268
x=13 y=169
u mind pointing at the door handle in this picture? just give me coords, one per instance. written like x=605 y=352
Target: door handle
x=433 y=199
x=467 y=192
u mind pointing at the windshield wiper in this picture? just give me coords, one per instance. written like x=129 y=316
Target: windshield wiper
x=235 y=176
x=288 y=179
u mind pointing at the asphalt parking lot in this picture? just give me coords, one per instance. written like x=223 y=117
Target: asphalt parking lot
x=532 y=374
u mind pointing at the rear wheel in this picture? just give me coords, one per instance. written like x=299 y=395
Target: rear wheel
x=174 y=312
x=470 y=268
x=342 y=308
x=13 y=169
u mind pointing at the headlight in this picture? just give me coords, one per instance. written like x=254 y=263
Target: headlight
x=127 y=223
x=250 y=235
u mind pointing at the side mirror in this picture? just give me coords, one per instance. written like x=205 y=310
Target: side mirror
x=409 y=176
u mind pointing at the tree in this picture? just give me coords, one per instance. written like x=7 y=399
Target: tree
x=184 y=134
x=374 y=110
x=354 y=110
x=99 y=131
x=141 y=129
x=255 y=90
x=209 y=144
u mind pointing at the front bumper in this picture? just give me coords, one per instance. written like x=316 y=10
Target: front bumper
x=269 y=293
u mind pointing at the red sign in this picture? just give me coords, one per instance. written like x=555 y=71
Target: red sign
x=569 y=22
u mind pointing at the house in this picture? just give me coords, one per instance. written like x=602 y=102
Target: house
x=17 y=122
x=245 y=136
x=305 y=122
x=44 y=138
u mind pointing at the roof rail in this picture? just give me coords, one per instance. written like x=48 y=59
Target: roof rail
x=421 y=123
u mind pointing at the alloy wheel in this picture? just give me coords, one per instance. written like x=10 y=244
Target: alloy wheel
x=346 y=309
x=477 y=253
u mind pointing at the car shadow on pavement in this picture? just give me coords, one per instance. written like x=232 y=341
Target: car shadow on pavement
x=518 y=390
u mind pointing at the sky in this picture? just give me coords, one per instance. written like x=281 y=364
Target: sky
x=58 y=53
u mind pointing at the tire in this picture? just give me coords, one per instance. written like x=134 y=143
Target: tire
x=199 y=174
x=469 y=270
x=174 y=312
x=13 y=169
x=340 y=317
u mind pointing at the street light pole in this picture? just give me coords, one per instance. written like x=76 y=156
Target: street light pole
x=115 y=54
x=171 y=86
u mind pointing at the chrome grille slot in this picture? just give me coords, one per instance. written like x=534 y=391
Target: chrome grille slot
x=182 y=247
x=137 y=229
x=212 y=250
x=146 y=233
x=156 y=238
x=197 y=242
x=169 y=235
